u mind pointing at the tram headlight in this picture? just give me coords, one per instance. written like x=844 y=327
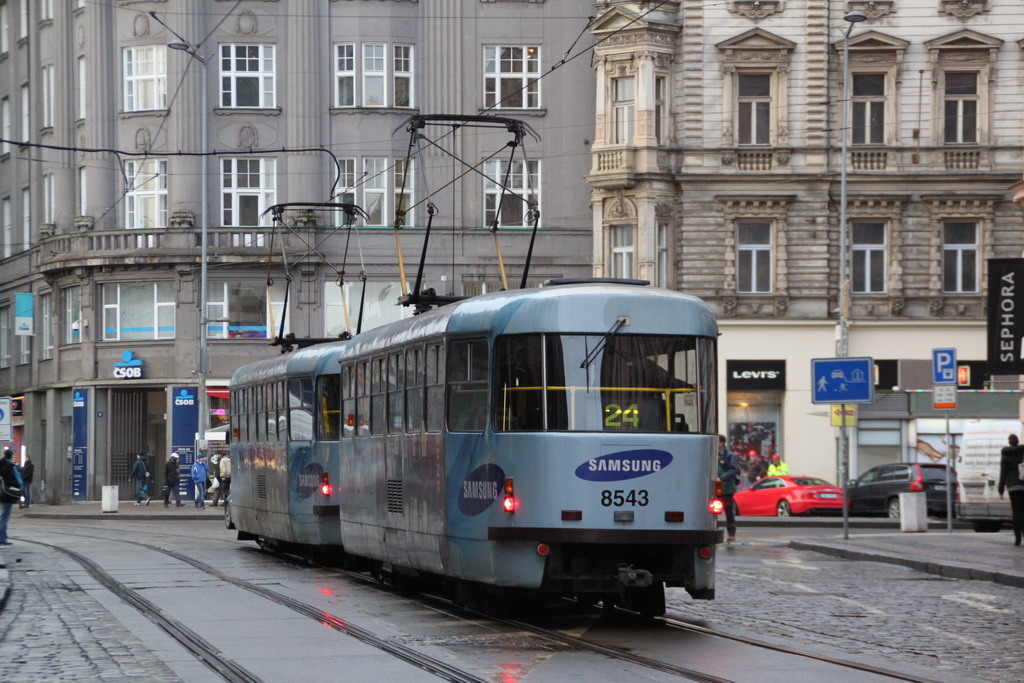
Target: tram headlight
x=716 y=506
x=325 y=484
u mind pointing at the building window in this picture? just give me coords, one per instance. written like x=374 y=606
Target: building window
x=378 y=305
x=523 y=186
x=345 y=75
x=345 y=188
x=26 y=113
x=622 y=251
x=961 y=107
x=72 y=300
x=623 y=110
x=661 y=257
x=24 y=348
x=48 y=96
x=402 y=183
x=868 y=253
x=959 y=257
x=386 y=75
x=247 y=76
x=660 y=107
x=5 y=29
x=754 y=107
x=511 y=77
x=48 y=198
x=46 y=325
x=81 y=191
x=5 y=125
x=45 y=10
x=81 y=87
x=138 y=311
x=375 y=183
x=868 y=109
x=145 y=194
x=22 y=19
x=754 y=257
x=145 y=78
x=8 y=228
x=5 y=337
x=249 y=186
x=26 y=218
x=245 y=311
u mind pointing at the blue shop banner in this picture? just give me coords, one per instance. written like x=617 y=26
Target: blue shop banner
x=185 y=422
x=23 y=321
x=80 y=444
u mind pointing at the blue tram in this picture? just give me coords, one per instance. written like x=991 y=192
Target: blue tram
x=559 y=439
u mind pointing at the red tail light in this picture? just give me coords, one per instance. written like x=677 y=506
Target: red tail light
x=510 y=503
x=716 y=506
x=918 y=483
x=325 y=484
x=719 y=488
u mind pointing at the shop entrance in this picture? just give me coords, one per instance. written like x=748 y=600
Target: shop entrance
x=138 y=424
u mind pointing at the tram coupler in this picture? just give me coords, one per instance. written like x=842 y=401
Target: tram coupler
x=632 y=577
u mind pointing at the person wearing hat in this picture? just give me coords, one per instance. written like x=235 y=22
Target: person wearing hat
x=777 y=468
x=172 y=476
x=200 y=474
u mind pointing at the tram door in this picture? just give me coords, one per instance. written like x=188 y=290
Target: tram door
x=137 y=425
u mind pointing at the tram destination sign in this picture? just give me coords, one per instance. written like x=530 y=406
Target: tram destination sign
x=1006 y=316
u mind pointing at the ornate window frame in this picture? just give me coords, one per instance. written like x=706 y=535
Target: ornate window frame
x=756 y=52
x=874 y=52
x=963 y=51
x=771 y=208
x=943 y=209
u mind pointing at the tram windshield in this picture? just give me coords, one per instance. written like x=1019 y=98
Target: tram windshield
x=619 y=383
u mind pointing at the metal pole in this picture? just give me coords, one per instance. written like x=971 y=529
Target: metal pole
x=204 y=412
x=842 y=333
x=949 y=469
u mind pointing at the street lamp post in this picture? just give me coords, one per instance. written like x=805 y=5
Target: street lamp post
x=843 y=328
x=204 y=414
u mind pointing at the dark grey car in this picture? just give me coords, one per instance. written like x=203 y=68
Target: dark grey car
x=877 y=491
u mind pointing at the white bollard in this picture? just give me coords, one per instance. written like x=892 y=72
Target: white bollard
x=913 y=512
x=109 y=499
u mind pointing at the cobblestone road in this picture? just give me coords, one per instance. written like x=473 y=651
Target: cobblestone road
x=54 y=630
x=867 y=610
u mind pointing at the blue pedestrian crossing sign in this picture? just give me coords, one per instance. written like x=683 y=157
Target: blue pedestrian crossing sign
x=843 y=380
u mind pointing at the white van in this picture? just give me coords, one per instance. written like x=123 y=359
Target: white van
x=978 y=474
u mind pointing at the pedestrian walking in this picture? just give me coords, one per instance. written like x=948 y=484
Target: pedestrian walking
x=729 y=475
x=28 y=470
x=224 y=479
x=1010 y=471
x=10 y=477
x=172 y=478
x=141 y=475
x=200 y=471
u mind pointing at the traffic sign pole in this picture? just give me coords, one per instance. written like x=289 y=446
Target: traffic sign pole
x=944 y=372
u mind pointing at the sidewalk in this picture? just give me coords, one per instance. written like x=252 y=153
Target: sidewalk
x=961 y=554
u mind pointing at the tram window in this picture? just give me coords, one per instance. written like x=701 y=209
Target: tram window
x=273 y=400
x=348 y=400
x=363 y=399
x=435 y=387
x=282 y=411
x=414 y=374
x=707 y=382
x=396 y=395
x=300 y=409
x=467 y=386
x=378 y=397
x=328 y=398
x=518 y=384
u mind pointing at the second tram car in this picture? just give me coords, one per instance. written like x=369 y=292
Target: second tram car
x=560 y=439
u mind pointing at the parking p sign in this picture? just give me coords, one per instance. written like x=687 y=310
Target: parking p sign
x=944 y=366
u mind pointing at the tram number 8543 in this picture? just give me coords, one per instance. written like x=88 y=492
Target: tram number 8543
x=619 y=498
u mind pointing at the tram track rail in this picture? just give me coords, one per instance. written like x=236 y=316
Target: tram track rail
x=226 y=668
x=445 y=605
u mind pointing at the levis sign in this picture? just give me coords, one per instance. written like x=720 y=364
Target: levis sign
x=755 y=375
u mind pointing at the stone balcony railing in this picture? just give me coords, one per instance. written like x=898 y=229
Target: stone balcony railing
x=95 y=248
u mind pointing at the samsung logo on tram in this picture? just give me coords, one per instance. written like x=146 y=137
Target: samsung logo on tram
x=480 y=489
x=624 y=465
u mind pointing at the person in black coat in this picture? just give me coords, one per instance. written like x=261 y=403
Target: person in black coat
x=12 y=478
x=141 y=475
x=172 y=476
x=1009 y=480
x=28 y=470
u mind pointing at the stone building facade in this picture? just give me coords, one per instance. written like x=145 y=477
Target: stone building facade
x=104 y=171
x=717 y=171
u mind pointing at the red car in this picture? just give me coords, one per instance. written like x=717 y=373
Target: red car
x=785 y=496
